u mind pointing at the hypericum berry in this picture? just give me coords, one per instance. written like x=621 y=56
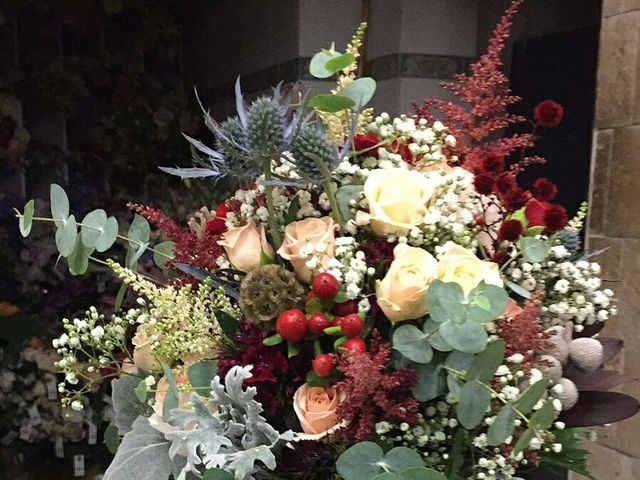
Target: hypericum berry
x=355 y=345
x=323 y=365
x=352 y=325
x=345 y=308
x=325 y=286
x=292 y=325
x=310 y=296
x=336 y=321
x=317 y=323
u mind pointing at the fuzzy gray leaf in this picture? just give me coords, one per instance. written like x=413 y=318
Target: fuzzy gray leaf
x=125 y=404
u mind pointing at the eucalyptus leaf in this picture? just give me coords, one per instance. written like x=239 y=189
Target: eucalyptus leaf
x=523 y=440
x=59 y=203
x=525 y=403
x=171 y=399
x=360 y=462
x=517 y=289
x=78 y=261
x=543 y=418
x=200 y=376
x=66 y=236
x=93 y=226
x=429 y=383
x=331 y=102
x=469 y=337
x=484 y=365
x=502 y=427
x=112 y=439
x=475 y=399
x=216 y=474
x=317 y=67
x=26 y=219
x=533 y=249
x=421 y=473
x=401 y=458
x=446 y=301
x=141 y=391
x=109 y=235
x=163 y=253
x=361 y=91
x=412 y=342
x=340 y=62
x=139 y=231
x=344 y=195
x=486 y=302
x=431 y=329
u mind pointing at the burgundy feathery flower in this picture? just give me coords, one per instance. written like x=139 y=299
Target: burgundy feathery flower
x=510 y=230
x=483 y=183
x=544 y=189
x=515 y=198
x=555 y=217
x=492 y=163
x=548 y=113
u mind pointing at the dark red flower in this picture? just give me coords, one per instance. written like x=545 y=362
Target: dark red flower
x=535 y=212
x=218 y=226
x=366 y=142
x=492 y=163
x=505 y=182
x=548 y=113
x=515 y=198
x=500 y=257
x=483 y=183
x=544 y=189
x=555 y=217
x=510 y=230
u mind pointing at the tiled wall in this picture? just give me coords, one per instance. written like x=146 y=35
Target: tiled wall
x=614 y=220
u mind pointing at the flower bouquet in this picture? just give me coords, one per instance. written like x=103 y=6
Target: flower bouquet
x=379 y=298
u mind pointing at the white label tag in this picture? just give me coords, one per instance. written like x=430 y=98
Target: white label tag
x=59 y=447
x=52 y=390
x=34 y=415
x=93 y=434
x=78 y=465
x=25 y=433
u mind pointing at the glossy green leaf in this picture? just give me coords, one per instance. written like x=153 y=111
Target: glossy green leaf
x=317 y=67
x=446 y=301
x=228 y=324
x=484 y=365
x=469 y=337
x=412 y=342
x=275 y=339
x=330 y=102
x=141 y=391
x=534 y=231
x=523 y=440
x=401 y=458
x=216 y=474
x=486 y=302
x=93 y=226
x=201 y=375
x=139 y=231
x=109 y=235
x=360 y=462
x=26 y=219
x=518 y=290
x=340 y=62
x=533 y=249
x=112 y=439
x=59 y=203
x=78 y=261
x=163 y=253
x=361 y=91
x=475 y=399
x=66 y=236
x=171 y=399
x=502 y=427
x=525 y=403
x=543 y=418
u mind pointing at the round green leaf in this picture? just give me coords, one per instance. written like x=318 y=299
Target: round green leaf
x=401 y=458
x=360 y=91
x=446 y=301
x=344 y=195
x=66 y=236
x=484 y=365
x=411 y=342
x=108 y=236
x=78 y=261
x=533 y=249
x=59 y=203
x=502 y=427
x=428 y=385
x=475 y=398
x=330 y=102
x=486 y=302
x=469 y=337
x=518 y=290
x=431 y=329
x=163 y=252
x=360 y=462
x=340 y=62
x=421 y=473
x=217 y=474
x=458 y=360
x=26 y=219
x=200 y=376
x=317 y=67
x=112 y=439
x=139 y=231
x=141 y=391
x=93 y=226
x=387 y=476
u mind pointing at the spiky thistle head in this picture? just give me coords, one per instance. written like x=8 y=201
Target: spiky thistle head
x=315 y=155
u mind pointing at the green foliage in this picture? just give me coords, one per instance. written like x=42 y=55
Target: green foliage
x=413 y=343
x=26 y=219
x=125 y=404
x=228 y=324
x=366 y=460
x=573 y=457
x=330 y=102
x=66 y=235
x=542 y=419
x=163 y=253
x=533 y=249
x=200 y=376
x=141 y=391
x=484 y=365
x=59 y=203
x=344 y=195
x=475 y=399
x=361 y=91
x=216 y=474
x=340 y=62
x=112 y=439
x=429 y=384
x=171 y=400
x=78 y=261
x=99 y=231
x=318 y=66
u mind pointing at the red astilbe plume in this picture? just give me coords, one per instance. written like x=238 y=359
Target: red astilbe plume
x=522 y=332
x=199 y=251
x=374 y=394
x=485 y=97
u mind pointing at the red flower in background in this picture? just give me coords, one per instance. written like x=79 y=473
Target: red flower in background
x=548 y=113
x=218 y=225
x=510 y=230
x=544 y=190
x=549 y=215
x=366 y=142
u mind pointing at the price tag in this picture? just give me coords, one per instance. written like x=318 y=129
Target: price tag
x=93 y=434
x=52 y=390
x=59 y=447
x=78 y=465
x=34 y=415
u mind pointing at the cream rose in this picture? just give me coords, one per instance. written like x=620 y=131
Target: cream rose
x=142 y=356
x=402 y=293
x=397 y=199
x=245 y=246
x=310 y=231
x=463 y=267
x=316 y=409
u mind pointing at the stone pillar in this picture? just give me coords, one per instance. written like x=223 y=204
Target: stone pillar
x=614 y=220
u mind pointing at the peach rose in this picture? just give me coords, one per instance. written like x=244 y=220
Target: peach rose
x=162 y=388
x=316 y=409
x=245 y=246
x=398 y=199
x=142 y=356
x=463 y=267
x=310 y=231
x=402 y=293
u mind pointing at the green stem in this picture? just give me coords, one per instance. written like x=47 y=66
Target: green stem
x=329 y=187
x=274 y=228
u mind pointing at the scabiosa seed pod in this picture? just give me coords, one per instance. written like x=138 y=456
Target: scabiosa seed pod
x=311 y=146
x=265 y=127
x=267 y=291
